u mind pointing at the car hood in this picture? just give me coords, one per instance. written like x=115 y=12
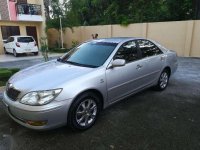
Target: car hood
x=47 y=76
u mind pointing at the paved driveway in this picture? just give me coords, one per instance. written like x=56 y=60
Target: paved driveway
x=150 y=120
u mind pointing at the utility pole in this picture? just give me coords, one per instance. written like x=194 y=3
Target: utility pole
x=61 y=32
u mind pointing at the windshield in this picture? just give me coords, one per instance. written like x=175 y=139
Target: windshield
x=25 y=39
x=91 y=54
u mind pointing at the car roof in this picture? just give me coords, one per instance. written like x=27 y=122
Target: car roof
x=116 y=40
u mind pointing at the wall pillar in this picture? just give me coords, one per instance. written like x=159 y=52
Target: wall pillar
x=1 y=43
x=109 y=31
x=188 y=39
x=22 y=30
x=144 y=30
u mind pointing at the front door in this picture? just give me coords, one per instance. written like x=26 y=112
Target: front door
x=32 y=31
x=124 y=80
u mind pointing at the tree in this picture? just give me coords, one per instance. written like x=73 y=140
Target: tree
x=100 y=12
x=46 y=7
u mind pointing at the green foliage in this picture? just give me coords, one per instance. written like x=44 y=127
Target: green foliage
x=14 y=70
x=6 y=73
x=99 y=12
x=74 y=43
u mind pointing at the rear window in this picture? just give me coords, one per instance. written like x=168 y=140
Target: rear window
x=25 y=39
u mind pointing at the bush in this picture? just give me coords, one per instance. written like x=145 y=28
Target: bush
x=2 y=83
x=74 y=43
x=59 y=50
x=6 y=73
x=14 y=70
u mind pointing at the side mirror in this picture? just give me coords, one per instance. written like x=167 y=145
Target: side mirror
x=118 y=63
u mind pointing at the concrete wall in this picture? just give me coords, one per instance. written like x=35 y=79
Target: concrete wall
x=181 y=36
x=4 y=10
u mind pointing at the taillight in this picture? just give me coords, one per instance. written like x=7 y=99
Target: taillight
x=17 y=44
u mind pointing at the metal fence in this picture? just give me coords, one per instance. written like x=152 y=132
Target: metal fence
x=29 y=9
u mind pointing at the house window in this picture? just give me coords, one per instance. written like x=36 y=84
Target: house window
x=9 y=31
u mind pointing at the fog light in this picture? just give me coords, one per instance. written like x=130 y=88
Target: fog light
x=36 y=123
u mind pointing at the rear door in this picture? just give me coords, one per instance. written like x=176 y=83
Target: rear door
x=154 y=59
x=122 y=81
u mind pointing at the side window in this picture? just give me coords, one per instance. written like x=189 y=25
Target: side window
x=12 y=39
x=128 y=51
x=148 y=48
x=8 y=40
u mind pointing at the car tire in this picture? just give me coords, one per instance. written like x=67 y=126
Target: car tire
x=5 y=52
x=84 y=111
x=35 y=53
x=163 y=80
x=15 y=53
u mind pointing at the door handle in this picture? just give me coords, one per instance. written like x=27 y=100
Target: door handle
x=139 y=67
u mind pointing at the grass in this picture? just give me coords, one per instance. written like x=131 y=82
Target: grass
x=6 y=73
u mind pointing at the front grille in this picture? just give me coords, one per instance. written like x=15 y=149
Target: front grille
x=12 y=93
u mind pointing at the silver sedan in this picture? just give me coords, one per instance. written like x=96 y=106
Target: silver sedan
x=74 y=88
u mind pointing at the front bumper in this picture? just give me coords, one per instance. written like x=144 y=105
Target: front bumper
x=54 y=113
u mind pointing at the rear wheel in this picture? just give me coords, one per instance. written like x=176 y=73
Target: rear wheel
x=84 y=111
x=163 y=80
x=35 y=53
x=15 y=53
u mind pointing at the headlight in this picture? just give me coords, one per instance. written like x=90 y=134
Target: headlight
x=40 y=97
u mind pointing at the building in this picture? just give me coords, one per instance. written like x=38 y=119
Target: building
x=21 y=17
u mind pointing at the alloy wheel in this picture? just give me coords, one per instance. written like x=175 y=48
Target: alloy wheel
x=86 y=112
x=164 y=80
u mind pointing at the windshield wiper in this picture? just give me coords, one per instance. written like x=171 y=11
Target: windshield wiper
x=60 y=59
x=82 y=65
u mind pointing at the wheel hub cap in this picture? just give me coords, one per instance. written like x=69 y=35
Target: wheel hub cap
x=163 y=80
x=86 y=112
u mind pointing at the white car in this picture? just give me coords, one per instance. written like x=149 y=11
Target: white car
x=20 y=44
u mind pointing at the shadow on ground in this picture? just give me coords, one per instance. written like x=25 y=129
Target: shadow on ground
x=148 y=120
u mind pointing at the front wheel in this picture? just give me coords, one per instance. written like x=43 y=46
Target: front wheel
x=84 y=111
x=5 y=52
x=163 y=80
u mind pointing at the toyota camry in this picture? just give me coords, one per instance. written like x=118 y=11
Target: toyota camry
x=73 y=89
